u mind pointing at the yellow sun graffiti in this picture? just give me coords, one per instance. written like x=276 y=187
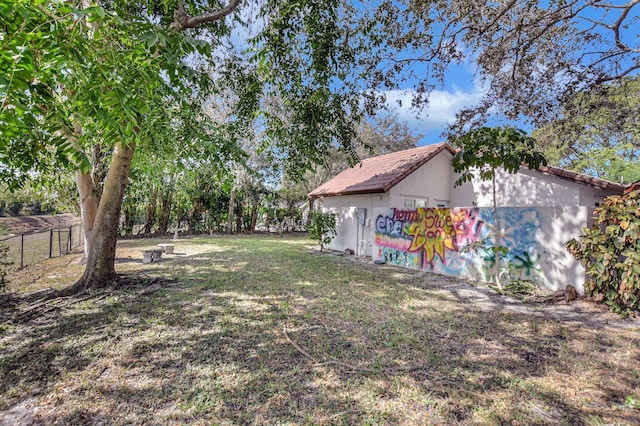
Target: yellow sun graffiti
x=434 y=233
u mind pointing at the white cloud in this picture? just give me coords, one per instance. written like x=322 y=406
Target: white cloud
x=440 y=111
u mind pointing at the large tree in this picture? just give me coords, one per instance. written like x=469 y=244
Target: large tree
x=83 y=75
x=531 y=57
x=599 y=134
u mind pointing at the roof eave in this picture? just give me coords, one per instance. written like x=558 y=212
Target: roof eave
x=581 y=178
x=338 y=194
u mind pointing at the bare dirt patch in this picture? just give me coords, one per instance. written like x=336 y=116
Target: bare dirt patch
x=23 y=224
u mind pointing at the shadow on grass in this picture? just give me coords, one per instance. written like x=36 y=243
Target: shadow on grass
x=270 y=334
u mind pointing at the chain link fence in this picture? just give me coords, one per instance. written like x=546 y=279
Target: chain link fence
x=33 y=247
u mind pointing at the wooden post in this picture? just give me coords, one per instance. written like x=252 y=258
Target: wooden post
x=21 y=251
x=59 y=243
x=69 y=241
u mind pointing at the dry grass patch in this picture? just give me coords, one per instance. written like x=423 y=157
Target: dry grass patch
x=260 y=330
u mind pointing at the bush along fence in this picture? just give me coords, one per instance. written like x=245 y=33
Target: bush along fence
x=33 y=247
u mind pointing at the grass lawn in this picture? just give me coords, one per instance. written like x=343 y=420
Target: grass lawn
x=263 y=330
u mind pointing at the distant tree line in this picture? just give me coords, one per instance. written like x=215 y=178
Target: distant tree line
x=30 y=201
x=201 y=196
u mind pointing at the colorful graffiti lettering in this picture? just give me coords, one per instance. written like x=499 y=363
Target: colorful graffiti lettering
x=432 y=238
x=394 y=224
x=432 y=231
x=399 y=257
x=527 y=263
x=459 y=241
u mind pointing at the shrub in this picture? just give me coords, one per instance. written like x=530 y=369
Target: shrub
x=322 y=227
x=5 y=264
x=14 y=207
x=36 y=208
x=610 y=252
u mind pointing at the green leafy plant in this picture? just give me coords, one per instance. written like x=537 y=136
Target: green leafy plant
x=14 y=207
x=322 y=227
x=610 y=252
x=519 y=289
x=630 y=402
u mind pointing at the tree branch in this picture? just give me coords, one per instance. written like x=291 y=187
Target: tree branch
x=618 y=23
x=619 y=76
x=183 y=21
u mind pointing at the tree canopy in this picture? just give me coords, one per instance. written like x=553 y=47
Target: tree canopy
x=328 y=63
x=482 y=152
x=383 y=134
x=116 y=77
x=599 y=134
x=532 y=57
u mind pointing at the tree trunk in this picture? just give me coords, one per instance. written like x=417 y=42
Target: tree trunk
x=232 y=204
x=165 y=213
x=151 y=212
x=254 y=218
x=240 y=217
x=312 y=202
x=88 y=209
x=129 y=219
x=98 y=170
x=497 y=239
x=100 y=270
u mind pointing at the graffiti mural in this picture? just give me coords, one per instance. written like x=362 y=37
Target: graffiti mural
x=458 y=241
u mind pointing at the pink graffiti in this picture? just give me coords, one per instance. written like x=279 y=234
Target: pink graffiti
x=431 y=230
x=441 y=230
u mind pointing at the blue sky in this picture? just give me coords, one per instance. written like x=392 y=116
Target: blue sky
x=461 y=89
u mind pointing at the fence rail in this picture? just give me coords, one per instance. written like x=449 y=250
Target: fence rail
x=29 y=248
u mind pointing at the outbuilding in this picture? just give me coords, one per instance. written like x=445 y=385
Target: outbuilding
x=404 y=208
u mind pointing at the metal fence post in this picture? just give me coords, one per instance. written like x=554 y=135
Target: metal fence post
x=59 y=243
x=21 y=251
x=69 y=241
x=50 y=243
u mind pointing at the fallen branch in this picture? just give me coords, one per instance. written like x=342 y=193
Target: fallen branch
x=295 y=345
x=350 y=366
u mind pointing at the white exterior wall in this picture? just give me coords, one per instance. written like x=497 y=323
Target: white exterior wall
x=350 y=234
x=433 y=239
x=551 y=208
x=593 y=197
x=526 y=188
x=430 y=182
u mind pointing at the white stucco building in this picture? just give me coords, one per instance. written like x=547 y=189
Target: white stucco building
x=553 y=205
